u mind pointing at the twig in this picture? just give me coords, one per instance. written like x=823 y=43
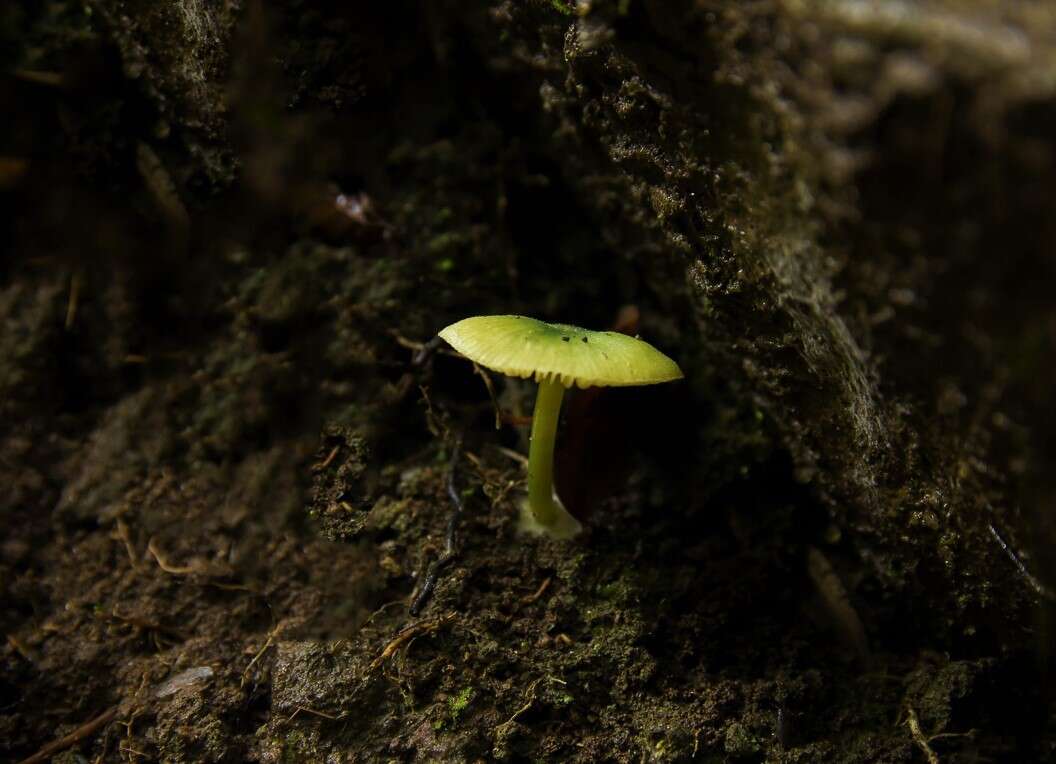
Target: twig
x=166 y=566
x=148 y=625
x=260 y=652
x=1035 y=584
x=511 y=454
x=126 y=536
x=403 y=342
x=530 y=699
x=450 y=537
x=381 y=610
x=407 y=634
x=67 y=741
x=530 y=695
x=233 y=587
x=432 y=420
x=918 y=736
x=538 y=592
x=329 y=458
x=129 y=739
x=313 y=712
x=423 y=351
x=491 y=394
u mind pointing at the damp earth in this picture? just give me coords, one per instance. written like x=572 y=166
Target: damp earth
x=254 y=511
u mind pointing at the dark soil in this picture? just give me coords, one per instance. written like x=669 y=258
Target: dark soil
x=255 y=514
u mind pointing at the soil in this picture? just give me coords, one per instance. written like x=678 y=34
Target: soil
x=256 y=513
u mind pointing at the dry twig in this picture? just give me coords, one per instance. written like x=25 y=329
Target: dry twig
x=491 y=393
x=329 y=458
x=538 y=592
x=1034 y=583
x=87 y=729
x=530 y=699
x=168 y=567
x=918 y=736
x=260 y=652
x=313 y=712
x=409 y=633
x=125 y=536
x=450 y=537
x=148 y=625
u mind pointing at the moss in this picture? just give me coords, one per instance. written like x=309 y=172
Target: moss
x=458 y=704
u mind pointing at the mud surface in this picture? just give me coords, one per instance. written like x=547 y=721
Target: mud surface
x=254 y=514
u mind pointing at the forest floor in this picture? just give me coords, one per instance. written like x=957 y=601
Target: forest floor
x=256 y=513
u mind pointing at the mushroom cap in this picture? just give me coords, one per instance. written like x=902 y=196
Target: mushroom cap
x=519 y=346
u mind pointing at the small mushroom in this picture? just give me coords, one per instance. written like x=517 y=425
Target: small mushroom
x=557 y=356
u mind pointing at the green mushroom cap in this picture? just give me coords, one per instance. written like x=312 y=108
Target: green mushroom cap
x=519 y=346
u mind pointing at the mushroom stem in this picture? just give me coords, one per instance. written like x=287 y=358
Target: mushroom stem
x=549 y=516
x=541 y=453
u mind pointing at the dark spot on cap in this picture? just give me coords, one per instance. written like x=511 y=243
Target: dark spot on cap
x=565 y=339
x=585 y=339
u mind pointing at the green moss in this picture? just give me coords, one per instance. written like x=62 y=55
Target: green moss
x=458 y=704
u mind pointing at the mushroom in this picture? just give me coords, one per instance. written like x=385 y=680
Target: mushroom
x=557 y=356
